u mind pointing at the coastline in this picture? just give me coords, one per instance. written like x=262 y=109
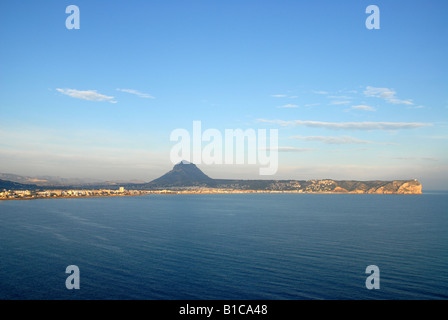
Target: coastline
x=172 y=192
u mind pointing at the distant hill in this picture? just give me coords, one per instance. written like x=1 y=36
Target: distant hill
x=183 y=174
x=58 y=182
x=46 y=180
x=10 y=185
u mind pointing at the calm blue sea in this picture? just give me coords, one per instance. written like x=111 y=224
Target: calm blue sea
x=238 y=246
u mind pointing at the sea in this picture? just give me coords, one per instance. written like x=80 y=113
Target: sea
x=226 y=247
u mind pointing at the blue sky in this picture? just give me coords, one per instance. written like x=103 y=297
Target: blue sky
x=100 y=102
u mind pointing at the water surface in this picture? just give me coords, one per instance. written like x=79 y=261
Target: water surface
x=234 y=246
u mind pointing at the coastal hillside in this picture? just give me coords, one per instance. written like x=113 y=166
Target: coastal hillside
x=11 y=185
x=324 y=186
x=186 y=175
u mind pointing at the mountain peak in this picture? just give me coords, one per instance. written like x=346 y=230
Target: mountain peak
x=183 y=174
x=184 y=162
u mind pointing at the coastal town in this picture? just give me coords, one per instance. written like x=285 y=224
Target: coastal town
x=75 y=193
x=71 y=193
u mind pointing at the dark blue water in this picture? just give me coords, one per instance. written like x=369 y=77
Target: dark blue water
x=241 y=246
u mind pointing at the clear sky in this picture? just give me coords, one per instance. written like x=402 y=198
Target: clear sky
x=350 y=103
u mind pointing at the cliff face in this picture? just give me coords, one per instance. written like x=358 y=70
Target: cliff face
x=394 y=187
x=411 y=187
x=379 y=187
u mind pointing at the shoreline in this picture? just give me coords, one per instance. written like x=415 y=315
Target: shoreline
x=199 y=193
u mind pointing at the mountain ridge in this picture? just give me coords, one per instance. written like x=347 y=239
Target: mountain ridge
x=188 y=175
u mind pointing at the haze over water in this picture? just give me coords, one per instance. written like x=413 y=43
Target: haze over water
x=238 y=246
